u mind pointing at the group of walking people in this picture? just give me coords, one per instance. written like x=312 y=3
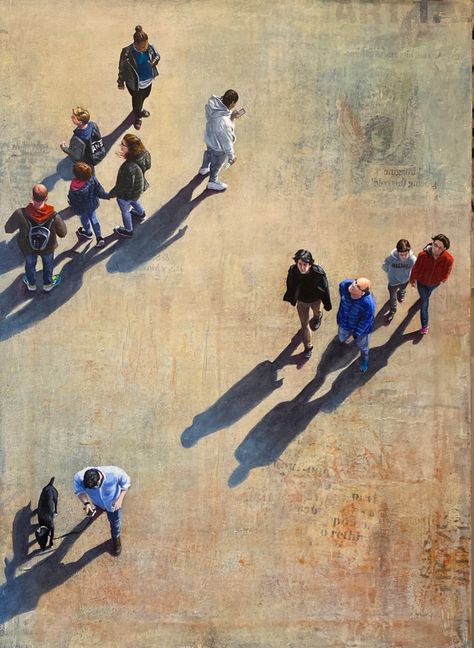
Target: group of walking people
x=38 y=223
x=307 y=288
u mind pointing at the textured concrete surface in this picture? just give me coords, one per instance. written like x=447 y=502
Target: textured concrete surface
x=275 y=503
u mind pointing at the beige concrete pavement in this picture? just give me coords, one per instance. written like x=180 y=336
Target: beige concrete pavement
x=307 y=508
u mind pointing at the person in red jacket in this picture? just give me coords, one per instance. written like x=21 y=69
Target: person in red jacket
x=433 y=266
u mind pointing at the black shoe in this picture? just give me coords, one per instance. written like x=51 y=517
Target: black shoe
x=123 y=232
x=137 y=124
x=144 y=113
x=100 y=242
x=390 y=316
x=117 y=546
x=316 y=322
x=401 y=297
x=138 y=216
x=308 y=352
x=83 y=234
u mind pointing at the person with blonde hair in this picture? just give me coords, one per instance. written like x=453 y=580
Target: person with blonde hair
x=131 y=182
x=86 y=142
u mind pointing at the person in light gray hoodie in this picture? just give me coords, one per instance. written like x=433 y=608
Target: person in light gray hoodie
x=398 y=266
x=219 y=137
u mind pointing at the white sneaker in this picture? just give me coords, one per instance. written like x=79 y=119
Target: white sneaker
x=217 y=186
x=204 y=170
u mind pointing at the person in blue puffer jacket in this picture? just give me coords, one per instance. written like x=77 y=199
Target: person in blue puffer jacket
x=83 y=197
x=355 y=317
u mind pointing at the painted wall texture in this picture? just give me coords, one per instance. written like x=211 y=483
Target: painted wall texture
x=275 y=503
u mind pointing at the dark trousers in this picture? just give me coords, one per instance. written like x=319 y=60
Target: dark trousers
x=138 y=97
x=397 y=290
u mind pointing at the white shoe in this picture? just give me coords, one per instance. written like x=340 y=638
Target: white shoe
x=204 y=170
x=217 y=186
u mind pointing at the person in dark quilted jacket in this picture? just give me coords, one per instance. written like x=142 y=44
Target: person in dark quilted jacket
x=83 y=196
x=131 y=182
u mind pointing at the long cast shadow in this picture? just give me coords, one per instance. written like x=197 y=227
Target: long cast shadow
x=260 y=382
x=22 y=528
x=159 y=230
x=40 y=305
x=64 y=166
x=267 y=440
x=242 y=397
x=21 y=594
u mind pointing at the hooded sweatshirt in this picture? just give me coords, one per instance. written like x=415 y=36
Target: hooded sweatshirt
x=430 y=271
x=22 y=219
x=219 y=134
x=398 y=269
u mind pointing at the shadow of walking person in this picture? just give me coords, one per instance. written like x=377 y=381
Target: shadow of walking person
x=10 y=255
x=267 y=440
x=110 y=139
x=41 y=305
x=156 y=233
x=63 y=172
x=64 y=166
x=242 y=397
x=22 y=528
x=21 y=594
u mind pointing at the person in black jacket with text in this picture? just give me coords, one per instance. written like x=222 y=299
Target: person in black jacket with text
x=306 y=288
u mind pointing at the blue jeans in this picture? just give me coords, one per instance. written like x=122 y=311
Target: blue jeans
x=215 y=160
x=115 y=521
x=90 y=217
x=125 y=206
x=424 y=292
x=362 y=341
x=30 y=267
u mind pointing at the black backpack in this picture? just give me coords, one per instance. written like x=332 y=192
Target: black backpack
x=96 y=146
x=39 y=235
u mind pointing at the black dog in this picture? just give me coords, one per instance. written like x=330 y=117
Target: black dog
x=47 y=509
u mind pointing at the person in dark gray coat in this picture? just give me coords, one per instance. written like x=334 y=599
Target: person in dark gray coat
x=137 y=70
x=131 y=182
x=39 y=226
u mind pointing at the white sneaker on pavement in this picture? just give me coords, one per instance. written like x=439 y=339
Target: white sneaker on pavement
x=204 y=170
x=217 y=186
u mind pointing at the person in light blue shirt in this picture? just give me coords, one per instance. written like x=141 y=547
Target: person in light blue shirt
x=104 y=487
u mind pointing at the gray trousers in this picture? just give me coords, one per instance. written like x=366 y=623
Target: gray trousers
x=398 y=289
x=214 y=159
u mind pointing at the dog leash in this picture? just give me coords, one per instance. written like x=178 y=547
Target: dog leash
x=88 y=522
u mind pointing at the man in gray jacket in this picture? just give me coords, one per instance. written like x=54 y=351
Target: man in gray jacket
x=398 y=266
x=219 y=137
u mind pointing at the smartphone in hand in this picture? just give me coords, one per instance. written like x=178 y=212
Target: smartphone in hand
x=240 y=112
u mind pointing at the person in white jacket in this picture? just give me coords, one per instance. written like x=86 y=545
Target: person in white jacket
x=219 y=137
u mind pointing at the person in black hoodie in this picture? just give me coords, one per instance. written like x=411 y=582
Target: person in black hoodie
x=83 y=196
x=131 y=182
x=306 y=287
